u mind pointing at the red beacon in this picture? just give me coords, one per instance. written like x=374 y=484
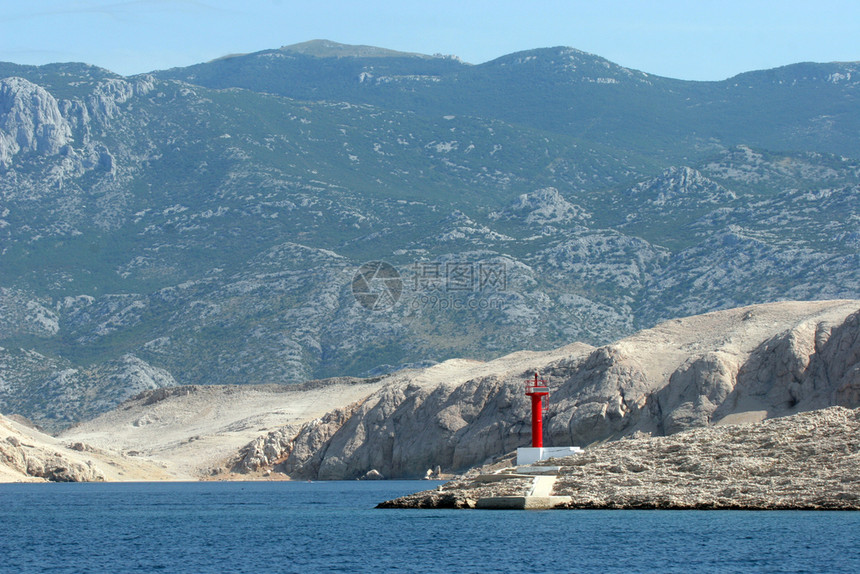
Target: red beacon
x=537 y=390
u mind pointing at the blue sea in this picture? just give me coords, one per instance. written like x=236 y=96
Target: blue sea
x=333 y=527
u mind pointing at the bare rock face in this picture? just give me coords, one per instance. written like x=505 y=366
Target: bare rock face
x=404 y=429
x=55 y=468
x=265 y=451
x=107 y=385
x=676 y=185
x=307 y=451
x=840 y=360
x=105 y=101
x=134 y=376
x=498 y=427
x=33 y=461
x=695 y=391
x=813 y=366
x=30 y=120
x=600 y=397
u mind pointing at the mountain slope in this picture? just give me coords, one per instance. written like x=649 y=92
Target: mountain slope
x=155 y=231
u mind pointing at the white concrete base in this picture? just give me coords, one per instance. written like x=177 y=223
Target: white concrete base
x=530 y=455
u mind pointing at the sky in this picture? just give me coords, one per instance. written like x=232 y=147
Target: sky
x=685 y=39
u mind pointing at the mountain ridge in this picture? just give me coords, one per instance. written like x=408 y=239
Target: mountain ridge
x=574 y=85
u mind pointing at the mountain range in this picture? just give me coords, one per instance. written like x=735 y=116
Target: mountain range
x=322 y=210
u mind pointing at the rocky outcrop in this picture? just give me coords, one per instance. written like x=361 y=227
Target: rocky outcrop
x=404 y=429
x=30 y=120
x=811 y=365
x=265 y=451
x=734 y=366
x=541 y=207
x=695 y=391
x=722 y=368
x=815 y=365
x=129 y=376
x=306 y=452
x=135 y=192
x=677 y=185
x=30 y=460
x=806 y=461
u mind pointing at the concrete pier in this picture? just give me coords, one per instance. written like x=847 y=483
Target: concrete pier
x=538 y=498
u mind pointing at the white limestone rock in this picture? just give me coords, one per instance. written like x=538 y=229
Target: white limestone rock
x=30 y=120
x=265 y=450
x=682 y=187
x=541 y=207
x=27 y=458
x=695 y=391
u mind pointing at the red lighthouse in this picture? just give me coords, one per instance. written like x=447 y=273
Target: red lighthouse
x=537 y=390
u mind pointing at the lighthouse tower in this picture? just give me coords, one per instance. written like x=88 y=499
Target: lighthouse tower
x=538 y=390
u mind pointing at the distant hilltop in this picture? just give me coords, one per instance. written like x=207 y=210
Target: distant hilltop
x=329 y=49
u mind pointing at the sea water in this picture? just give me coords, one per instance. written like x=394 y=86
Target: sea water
x=334 y=527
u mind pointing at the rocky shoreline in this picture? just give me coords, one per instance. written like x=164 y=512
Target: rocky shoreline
x=808 y=461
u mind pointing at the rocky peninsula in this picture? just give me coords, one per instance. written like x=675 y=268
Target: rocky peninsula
x=808 y=461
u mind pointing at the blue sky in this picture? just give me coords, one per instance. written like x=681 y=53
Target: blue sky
x=690 y=39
